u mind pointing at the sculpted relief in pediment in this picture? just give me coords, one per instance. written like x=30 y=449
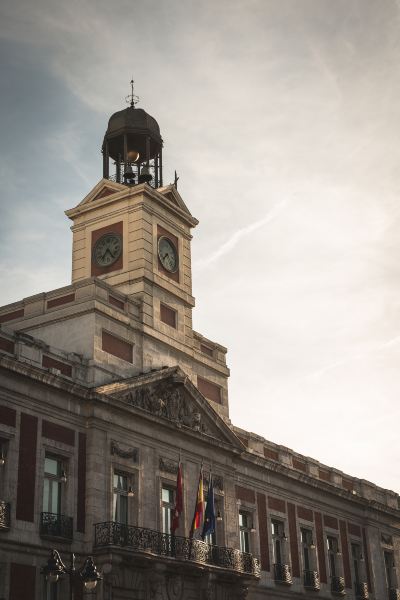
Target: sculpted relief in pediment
x=171 y=402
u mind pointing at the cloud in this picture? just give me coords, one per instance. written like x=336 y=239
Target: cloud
x=230 y=244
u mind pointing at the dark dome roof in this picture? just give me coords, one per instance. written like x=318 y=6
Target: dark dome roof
x=133 y=120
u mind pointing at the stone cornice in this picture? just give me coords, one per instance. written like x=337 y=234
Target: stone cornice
x=321 y=486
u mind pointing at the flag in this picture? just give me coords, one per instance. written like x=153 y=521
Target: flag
x=199 y=508
x=209 y=515
x=178 y=501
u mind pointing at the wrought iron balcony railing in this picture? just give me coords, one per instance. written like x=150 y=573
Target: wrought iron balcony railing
x=311 y=580
x=361 y=589
x=337 y=585
x=163 y=544
x=57 y=526
x=282 y=574
x=394 y=594
x=5 y=515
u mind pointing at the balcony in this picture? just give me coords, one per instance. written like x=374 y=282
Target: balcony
x=53 y=525
x=337 y=586
x=311 y=580
x=361 y=590
x=152 y=542
x=394 y=594
x=5 y=515
x=282 y=574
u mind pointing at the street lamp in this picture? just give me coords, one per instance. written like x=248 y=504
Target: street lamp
x=55 y=568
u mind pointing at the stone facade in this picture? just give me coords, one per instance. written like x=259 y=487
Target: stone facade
x=100 y=383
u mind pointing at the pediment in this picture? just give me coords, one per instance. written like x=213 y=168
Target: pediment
x=104 y=188
x=169 y=395
x=171 y=193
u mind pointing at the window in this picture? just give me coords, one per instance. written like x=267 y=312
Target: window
x=356 y=557
x=54 y=476
x=244 y=531
x=389 y=566
x=120 y=499
x=167 y=507
x=333 y=552
x=278 y=536
x=307 y=544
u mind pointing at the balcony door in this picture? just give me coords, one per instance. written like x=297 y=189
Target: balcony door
x=52 y=485
x=120 y=499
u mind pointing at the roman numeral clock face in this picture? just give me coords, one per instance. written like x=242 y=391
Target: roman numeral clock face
x=107 y=249
x=168 y=254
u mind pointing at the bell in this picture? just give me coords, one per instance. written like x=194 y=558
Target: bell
x=129 y=176
x=145 y=175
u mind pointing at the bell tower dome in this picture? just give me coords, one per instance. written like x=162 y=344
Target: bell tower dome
x=133 y=144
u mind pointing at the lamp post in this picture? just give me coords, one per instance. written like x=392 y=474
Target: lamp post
x=55 y=568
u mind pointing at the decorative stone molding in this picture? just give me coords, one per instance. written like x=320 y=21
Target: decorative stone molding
x=168 y=466
x=386 y=539
x=131 y=453
x=218 y=482
x=169 y=401
x=175 y=587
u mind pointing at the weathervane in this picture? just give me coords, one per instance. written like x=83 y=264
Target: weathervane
x=132 y=99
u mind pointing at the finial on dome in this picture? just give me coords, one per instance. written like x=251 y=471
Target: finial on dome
x=132 y=99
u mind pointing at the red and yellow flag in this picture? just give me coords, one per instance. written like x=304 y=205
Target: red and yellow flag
x=197 y=522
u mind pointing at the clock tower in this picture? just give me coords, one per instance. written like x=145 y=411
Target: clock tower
x=133 y=233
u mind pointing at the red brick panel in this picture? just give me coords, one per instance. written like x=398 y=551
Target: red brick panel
x=116 y=302
x=81 y=510
x=7 y=345
x=347 y=484
x=160 y=233
x=22 y=582
x=345 y=554
x=206 y=350
x=244 y=441
x=294 y=547
x=324 y=475
x=15 y=314
x=263 y=529
x=106 y=191
x=330 y=522
x=52 y=363
x=117 y=347
x=277 y=504
x=299 y=464
x=245 y=494
x=168 y=315
x=320 y=547
x=272 y=454
x=96 y=235
x=366 y=557
x=60 y=300
x=305 y=513
x=354 y=529
x=8 y=416
x=58 y=433
x=27 y=468
x=209 y=390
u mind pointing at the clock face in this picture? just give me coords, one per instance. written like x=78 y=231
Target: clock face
x=107 y=249
x=167 y=254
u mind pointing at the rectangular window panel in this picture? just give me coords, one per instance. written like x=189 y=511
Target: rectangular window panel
x=168 y=315
x=210 y=390
x=117 y=347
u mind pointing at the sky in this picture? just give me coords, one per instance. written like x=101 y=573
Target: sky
x=282 y=119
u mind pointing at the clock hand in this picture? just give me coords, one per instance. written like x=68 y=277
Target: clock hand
x=109 y=251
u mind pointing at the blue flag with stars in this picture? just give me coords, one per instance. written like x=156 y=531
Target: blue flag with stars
x=209 y=515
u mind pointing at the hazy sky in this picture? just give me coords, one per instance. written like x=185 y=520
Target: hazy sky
x=282 y=118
